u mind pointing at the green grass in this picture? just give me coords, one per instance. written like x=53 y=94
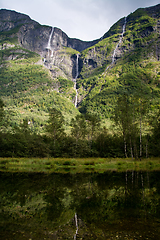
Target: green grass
x=76 y=165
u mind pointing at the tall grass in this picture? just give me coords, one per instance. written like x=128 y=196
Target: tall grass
x=75 y=165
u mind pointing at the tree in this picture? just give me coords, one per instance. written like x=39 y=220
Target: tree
x=1 y=120
x=131 y=105
x=93 y=125
x=78 y=125
x=78 y=128
x=155 y=138
x=55 y=126
x=109 y=145
x=1 y=111
x=122 y=117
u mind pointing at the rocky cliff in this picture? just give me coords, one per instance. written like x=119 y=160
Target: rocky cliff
x=35 y=37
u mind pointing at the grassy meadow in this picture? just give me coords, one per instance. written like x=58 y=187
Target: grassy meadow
x=77 y=165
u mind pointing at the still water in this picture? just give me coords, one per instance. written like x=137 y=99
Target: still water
x=111 y=205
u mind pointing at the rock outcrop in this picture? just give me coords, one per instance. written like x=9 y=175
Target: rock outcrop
x=35 y=37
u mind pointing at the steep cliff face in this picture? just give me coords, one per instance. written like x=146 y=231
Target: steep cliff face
x=35 y=37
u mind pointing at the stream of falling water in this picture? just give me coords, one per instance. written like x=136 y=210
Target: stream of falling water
x=120 y=40
x=76 y=226
x=75 y=81
x=49 y=43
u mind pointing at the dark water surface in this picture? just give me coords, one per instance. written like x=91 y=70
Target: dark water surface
x=111 y=205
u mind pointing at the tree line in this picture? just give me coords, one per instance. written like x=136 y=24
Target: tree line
x=87 y=137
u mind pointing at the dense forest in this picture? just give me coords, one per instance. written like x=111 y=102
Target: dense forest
x=87 y=136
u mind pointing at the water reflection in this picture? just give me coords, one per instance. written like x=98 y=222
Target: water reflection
x=111 y=205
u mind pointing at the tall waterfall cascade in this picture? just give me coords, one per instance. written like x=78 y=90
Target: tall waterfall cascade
x=120 y=41
x=117 y=46
x=75 y=80
x=49 y=43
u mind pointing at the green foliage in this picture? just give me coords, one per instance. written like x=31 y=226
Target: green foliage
x=1 y=112
x=21 y=78
x=115 y=29
x=70 y=51
x=154 y=143
x=138 y=45
x=28 y=89
x=55 y=128
x=55 y=123
x=65 y=84
x=138 y=13
x=78 y=127
x=10 y=36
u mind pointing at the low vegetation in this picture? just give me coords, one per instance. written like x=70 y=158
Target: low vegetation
x=77 y=165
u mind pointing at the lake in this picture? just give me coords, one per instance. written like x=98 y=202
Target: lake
x=110 y=205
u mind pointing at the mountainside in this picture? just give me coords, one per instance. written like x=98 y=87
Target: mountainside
x=41 y=67
x=131 y=45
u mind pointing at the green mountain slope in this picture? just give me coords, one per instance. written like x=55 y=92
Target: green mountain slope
x=138 y=52
x=36 y=75
x=28 y=91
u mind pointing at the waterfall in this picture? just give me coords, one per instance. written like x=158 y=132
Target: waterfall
x=120 y=40
x=124 y=26
x=114 y=53
x=76 y=226
x=49 y=42
x=75 y=80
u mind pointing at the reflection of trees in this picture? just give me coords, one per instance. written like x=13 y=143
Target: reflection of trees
x=50 y=201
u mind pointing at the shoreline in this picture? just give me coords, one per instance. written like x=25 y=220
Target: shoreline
x=77 y=165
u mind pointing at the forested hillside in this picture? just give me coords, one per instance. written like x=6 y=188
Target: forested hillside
x=104 y=95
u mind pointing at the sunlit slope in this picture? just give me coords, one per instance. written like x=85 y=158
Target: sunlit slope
x=29 y=86
x=28 y=91
x=137 y=53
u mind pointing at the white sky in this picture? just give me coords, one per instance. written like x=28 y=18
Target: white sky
x=83 y=19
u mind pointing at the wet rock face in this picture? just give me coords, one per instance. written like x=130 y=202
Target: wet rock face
x=34 y=37
x=59 y=38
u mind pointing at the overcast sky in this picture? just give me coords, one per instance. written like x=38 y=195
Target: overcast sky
x=83 y=19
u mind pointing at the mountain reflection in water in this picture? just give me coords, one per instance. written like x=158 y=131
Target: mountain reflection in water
x=111 y=205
